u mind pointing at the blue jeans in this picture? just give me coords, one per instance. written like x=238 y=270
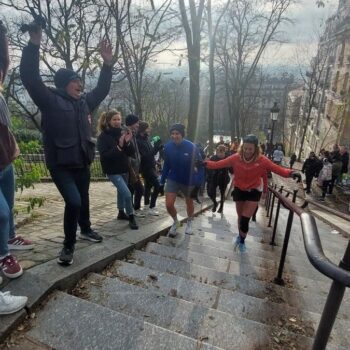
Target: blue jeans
x=7 y=196
x=124 y=198
x=73 y=184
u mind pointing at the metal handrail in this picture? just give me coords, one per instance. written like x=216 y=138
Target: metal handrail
x=313 y=247
x=312 y=243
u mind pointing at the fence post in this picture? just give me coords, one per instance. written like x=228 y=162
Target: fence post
x=272 y=206
x=268 y=203
x=331 y=307
x=279 y=279
x=272 y=242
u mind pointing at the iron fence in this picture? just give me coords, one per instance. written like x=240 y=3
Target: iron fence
x=36 y=162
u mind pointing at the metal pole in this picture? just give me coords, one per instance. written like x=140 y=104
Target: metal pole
x=268 y=203
x=271 y=211
x=331 y=307
x=271 y=140
x=272 y=242
x=279 y=279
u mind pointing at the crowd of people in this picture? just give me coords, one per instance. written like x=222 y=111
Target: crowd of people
x=128 y=158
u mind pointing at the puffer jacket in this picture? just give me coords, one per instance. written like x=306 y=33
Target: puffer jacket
x=66 y=122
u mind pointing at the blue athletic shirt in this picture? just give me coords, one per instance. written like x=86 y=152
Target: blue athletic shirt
x=180 y=163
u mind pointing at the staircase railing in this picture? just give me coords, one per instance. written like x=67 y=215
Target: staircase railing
x=313 y=247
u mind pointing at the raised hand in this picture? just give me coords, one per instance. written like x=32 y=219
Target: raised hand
x=106 y=52
x=36 y=35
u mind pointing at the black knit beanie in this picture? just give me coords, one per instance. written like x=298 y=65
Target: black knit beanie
x=251 y=139
x=178 y=127
x=131 y=119
x=63 y=76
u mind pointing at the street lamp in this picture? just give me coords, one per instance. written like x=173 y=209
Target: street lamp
x=274 y=116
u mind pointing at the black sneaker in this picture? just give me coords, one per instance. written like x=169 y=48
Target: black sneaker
x=132 y=223
x=66 y=256
x=91 y=236
x=122 y=215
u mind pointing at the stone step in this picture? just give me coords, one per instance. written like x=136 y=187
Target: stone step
x=240 y=305
x=226 y=252
x=218 y=328
x=235 y=257
x=244 y=265
x=67 y=322
x=187 y=270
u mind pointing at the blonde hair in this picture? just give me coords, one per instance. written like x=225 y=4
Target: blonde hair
x=105 y=119
x=257 y=152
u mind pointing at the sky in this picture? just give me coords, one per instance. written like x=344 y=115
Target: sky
x=307 y=18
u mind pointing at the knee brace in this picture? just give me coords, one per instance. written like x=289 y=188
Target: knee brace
x=244 y=224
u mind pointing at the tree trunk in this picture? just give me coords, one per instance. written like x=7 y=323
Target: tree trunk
x=194 y=71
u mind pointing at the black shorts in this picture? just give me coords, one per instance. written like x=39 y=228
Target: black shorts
x=250 y=195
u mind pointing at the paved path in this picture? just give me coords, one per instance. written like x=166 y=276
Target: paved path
x=45 y=230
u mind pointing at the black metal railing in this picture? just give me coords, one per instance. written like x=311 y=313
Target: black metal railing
x=313 y=247
x=36 y=162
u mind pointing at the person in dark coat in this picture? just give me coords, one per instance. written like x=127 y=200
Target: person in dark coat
x=292 y=160
x=148 y=166
x=66 y=125
x=311 y=169
x=218 y=178
x=114 y=146
x=344 y=154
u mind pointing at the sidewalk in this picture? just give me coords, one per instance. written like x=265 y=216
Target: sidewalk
x=45 y=230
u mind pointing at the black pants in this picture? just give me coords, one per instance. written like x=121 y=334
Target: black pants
x=325 y=185
x=73 y=184
x=211 y=190
x=308 y=179
x=137 y=191
x=151 y=181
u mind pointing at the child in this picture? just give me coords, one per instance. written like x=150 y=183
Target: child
x=218 y=178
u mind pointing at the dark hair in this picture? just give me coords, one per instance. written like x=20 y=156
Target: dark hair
x=4 y=53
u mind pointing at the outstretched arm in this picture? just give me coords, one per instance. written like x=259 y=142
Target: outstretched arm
x=99 y=93
x=225 y=163
x=279 y=170
x=29 y=71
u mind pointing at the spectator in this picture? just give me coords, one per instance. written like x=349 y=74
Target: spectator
x=148 y=165
x=234 y=146
x=66 y=124
x=335 y=153
x=278 y=155
x=135 y=184
x=311 y=169
x=336 y=172
x=345 y=159
x=292 y=160
x=221 y=141
x=218 y=178
x=8 y=152
x=115 y=147
x=325 y=177
x=179 y=173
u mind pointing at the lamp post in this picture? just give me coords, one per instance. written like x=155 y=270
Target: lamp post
x=274 y=116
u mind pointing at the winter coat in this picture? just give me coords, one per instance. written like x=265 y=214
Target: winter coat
x=218 y=177
x=66 y=122
x=113 y=160
x=345 y=162
x=147 y=153
x=325 y=173
x=312 y=167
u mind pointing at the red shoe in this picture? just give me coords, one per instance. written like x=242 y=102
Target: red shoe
x=19 y=243
x=10 y=267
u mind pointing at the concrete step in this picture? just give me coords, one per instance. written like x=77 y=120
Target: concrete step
x=234 y=302
x=67 y=322
x=187 y=270
x=218 y=328
x=198 y=258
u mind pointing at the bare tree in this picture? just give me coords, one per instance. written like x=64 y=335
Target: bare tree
x=143 y=33
x=192 y=25
x=249 y=26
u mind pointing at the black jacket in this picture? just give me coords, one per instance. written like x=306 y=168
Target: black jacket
x=345 y=162
x=66 y=122
x=147 y=153
x=312 y=167
x=217 y=177
x=113 y=160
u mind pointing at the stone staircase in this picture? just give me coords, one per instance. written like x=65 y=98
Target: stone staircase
x=195 y=292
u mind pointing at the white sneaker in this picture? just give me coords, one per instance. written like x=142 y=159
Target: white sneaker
x=188 y=229
x=153 y=211
x=10 y=303
x=139 y=213
x=172 y=232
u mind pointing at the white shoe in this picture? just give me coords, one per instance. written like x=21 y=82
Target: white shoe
x=139 y=213
x=172 y=232
x=188 y=229
x=10 y=303
x=153 y=211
